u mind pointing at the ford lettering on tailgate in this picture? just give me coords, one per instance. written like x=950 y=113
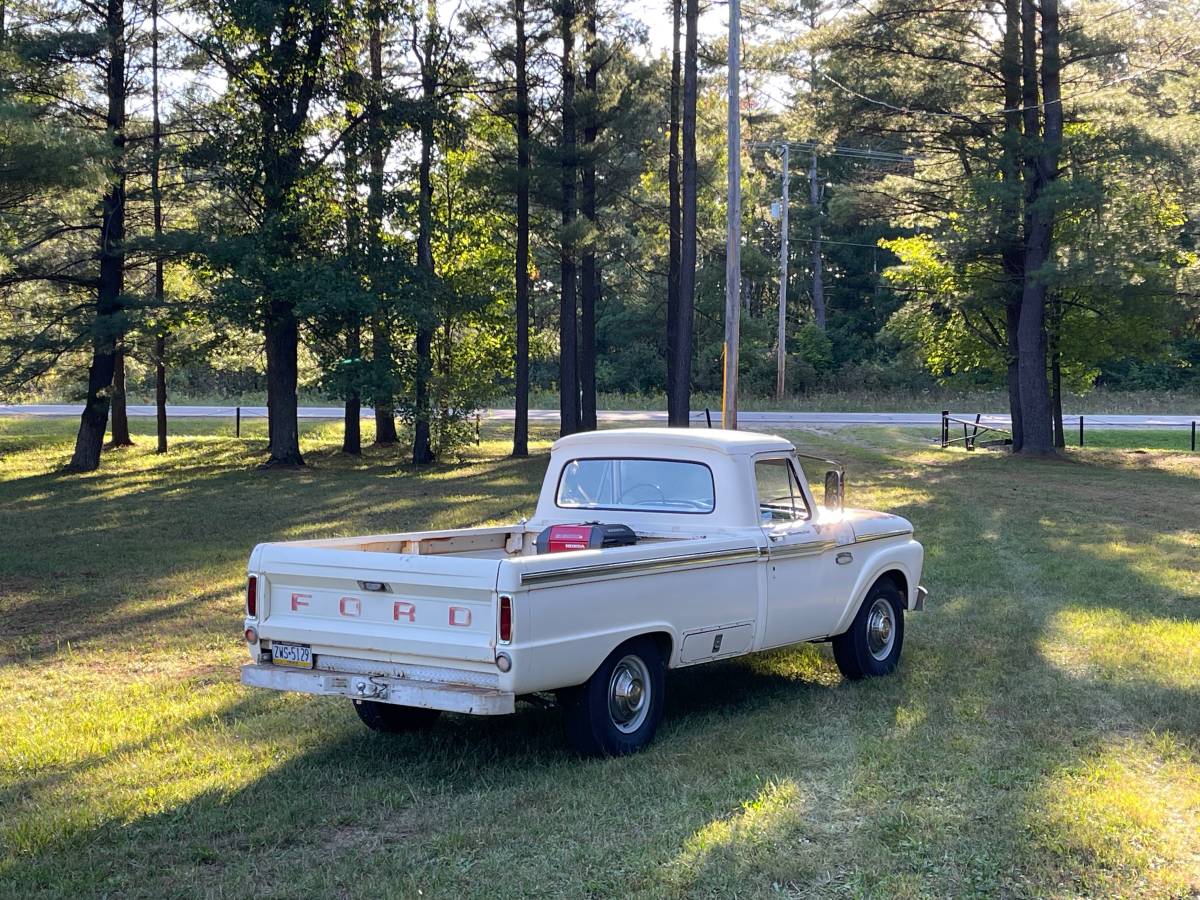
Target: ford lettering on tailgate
x=424 y=613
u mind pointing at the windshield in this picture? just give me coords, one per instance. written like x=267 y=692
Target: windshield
x=643 y=485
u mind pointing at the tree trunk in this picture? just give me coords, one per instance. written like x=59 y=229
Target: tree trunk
x=679 y=402
x=352 y=421
x=1012 y=325
x=674 y=215
x=1041 y=170
x=1056 y=410
x=381 y=361
x=381 y=342
x=160 y=338
x=120 y=410
x=521 y=423
x=282 y=162
x=1012 y=252
x=160 y=391
x=422 y=444
x=352 y=418
x=568 y=373
x=589 y=270
x=106 y=330
x=282 y=333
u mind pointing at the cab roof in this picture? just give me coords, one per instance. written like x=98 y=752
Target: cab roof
x=731 y=443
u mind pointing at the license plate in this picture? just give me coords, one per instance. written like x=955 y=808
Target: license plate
x=296 y=655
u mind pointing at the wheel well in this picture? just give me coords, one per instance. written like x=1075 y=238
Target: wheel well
x=664 y=642
x=896 y=577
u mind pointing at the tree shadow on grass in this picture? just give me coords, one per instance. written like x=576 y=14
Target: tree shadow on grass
x=770 y=776
x=87 y=549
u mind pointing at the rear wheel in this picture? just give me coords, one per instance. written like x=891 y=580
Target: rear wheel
x=394 y=719
x=618 y=709
x=872 y=644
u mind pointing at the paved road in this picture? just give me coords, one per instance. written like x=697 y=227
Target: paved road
x=777 y=419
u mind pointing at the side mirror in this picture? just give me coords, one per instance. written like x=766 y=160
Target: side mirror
x=835 y=489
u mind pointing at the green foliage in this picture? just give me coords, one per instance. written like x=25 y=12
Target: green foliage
x=268 y=159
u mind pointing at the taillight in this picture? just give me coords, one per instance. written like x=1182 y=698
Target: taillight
x=505 y=620
x=252 y=596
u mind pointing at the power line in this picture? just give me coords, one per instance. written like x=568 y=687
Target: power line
x=908 y=110
x=853 y=152
x=841 y=243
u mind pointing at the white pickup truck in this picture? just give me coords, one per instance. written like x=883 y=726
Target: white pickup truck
x=712 y=546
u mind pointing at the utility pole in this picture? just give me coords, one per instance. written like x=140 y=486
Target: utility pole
x=818 y=279
x=733 y=226
x=781 y=338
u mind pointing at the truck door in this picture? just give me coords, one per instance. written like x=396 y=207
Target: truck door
x=799 y=555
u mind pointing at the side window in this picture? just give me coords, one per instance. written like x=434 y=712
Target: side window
x=779 y=496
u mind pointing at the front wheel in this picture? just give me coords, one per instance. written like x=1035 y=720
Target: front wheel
x=617 y=710
x=871 y=645
x=393 y=719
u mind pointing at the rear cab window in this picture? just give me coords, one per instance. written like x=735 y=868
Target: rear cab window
x=637 y=485
x=780 y=498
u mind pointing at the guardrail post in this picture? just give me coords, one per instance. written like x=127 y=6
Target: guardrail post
x=237 y=422
x=945 y=427
x=1193 y=435
x=708 y=416
x=1081 y=431
x=477 y=437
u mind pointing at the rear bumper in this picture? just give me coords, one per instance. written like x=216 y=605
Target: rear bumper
x=461 y=698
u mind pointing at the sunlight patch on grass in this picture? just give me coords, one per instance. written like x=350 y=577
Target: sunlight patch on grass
x=1112 y=645
x=750 y=838
x=1164 y=560
x=1126 y=822
x=804 y=663
x=148 y=746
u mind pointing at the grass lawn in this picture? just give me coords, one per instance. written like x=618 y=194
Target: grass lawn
x=1042 y=736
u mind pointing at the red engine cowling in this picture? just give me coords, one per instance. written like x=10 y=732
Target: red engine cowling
x=588 y=536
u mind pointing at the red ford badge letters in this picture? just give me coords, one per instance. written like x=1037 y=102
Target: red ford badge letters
x=402 y=610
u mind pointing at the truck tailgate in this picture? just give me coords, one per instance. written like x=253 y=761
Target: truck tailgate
x=383 y=603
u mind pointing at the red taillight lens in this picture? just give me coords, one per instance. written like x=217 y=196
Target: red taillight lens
x=505 y=620
x=252 y=596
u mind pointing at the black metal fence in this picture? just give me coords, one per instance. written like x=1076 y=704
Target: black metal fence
x=973 y=429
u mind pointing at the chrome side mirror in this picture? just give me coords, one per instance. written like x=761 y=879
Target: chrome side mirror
x=835 y=489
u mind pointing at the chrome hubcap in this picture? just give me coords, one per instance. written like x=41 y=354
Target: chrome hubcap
x=629 y=694
x=881 y=629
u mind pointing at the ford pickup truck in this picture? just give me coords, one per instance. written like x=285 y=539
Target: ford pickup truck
x=650 y=549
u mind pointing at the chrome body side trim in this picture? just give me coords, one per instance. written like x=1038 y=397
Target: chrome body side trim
x=640 y=566
x=883 y=536
x=811 y=548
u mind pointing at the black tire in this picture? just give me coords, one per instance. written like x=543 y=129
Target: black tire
x=597 y=727
x=388 y=717
x=861 y=651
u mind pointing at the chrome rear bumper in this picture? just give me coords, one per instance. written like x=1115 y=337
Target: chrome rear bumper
x=461 y=698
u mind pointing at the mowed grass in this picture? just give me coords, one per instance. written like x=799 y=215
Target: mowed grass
x=1041 y=738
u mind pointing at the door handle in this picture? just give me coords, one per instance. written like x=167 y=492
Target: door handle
x=775 y=538
x=844 y=558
